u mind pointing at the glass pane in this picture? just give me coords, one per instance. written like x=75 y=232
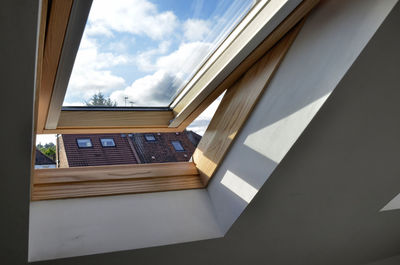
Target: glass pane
x=177 y=145
x=142 y=52
x=107 y=142
x=150 y=137
x=83 y=143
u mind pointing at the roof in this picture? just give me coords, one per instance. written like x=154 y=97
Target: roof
x=162 y=150
x=193 y=137
x=129 y=148
x=41 y=159
x=97 y=155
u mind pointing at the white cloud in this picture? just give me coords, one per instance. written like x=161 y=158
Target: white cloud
x=170 y=72
x=91 y=73
x=181 y=62
x=119 y=46
x=144 y=59
x=151 y=90
x=84 y=85
x=74 y=104
x=45 y=139
x=196 y=29
x=185 y=59
x=90 y=56
x=132 y=16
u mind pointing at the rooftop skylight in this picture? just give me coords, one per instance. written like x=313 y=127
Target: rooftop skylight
x=142 y=53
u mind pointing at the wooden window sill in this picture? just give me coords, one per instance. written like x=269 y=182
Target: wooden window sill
x=62 y=183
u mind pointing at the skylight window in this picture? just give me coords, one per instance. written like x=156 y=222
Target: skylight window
x=150 y=137
x=142 y=53
x=84 y=143
x=107 y=142
x=242 y=64
x=177 y=146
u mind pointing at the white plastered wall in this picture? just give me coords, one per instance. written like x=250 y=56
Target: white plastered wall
x=75 y=227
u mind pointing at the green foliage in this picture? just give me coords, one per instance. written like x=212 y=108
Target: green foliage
x=99 y=99
x=48 y=149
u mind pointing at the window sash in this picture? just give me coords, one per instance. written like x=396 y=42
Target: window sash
x=266 y=23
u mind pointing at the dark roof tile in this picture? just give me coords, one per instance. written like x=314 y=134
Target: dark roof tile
x=42 y=159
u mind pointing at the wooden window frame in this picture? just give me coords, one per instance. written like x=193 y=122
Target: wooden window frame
x=243 y=86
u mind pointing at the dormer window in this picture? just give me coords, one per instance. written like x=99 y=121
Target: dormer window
x=84 y=143
x=107 y=142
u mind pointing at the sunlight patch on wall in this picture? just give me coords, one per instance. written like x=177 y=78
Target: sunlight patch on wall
x=238 y=186
x=275 y=140
x=394 y=204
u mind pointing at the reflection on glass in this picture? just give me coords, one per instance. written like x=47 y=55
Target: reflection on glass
x=142 y=52
x=107 y=142
x=84 y=143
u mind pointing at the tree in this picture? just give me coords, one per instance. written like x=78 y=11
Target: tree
x=48 y=149
x=99 y=99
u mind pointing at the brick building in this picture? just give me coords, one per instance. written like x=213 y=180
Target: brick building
x=76 y=150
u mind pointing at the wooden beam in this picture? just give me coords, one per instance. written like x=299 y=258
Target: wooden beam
x=236 y=106
x=90 y=189
x=91 y=130
x=115 y=172
x=113 y=121
x=39 y=66
x=112 y=180
x=72 y=38
x=195 y=102
x=104 y=119
x=54 y=39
